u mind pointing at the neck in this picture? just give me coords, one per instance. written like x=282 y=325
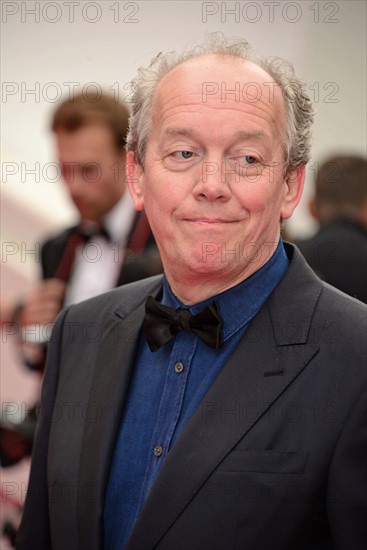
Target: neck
x=195 y=288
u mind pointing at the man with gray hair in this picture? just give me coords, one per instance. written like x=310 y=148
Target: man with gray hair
x=221 y=405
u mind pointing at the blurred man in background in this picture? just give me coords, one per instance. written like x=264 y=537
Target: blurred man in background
x=338 y=251
x=110 y=245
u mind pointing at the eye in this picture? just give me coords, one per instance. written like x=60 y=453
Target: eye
x=184 y=154
x=249 y=159
x=245 y=160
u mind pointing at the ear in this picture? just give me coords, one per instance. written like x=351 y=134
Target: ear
x=135 y=180
x=314 y=211
x=294 y=182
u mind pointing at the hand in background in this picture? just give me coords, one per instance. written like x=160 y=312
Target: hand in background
x=43 y=303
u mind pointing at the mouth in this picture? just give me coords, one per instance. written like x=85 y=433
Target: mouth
x=209 y=221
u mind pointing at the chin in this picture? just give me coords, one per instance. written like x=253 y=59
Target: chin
x=211 y=266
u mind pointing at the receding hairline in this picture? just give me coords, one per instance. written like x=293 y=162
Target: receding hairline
x=279 y=99
x=228 y=57
x=257 y=69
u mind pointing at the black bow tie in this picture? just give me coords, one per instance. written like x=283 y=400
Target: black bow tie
x=162 y=323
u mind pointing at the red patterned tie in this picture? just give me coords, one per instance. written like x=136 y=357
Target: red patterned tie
x=76 y=239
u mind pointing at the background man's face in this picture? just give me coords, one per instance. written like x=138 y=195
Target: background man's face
x=213 y=185
x=92 y=168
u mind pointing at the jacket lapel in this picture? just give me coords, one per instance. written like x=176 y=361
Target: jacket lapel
x=112 y=373
x=271 y=355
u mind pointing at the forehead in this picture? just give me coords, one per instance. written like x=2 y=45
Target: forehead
x=220 y=82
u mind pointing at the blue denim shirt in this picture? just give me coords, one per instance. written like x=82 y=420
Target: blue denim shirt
x=166 y=388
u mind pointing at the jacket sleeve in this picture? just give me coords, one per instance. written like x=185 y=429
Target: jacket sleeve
x=34 y=532
x=347 y=483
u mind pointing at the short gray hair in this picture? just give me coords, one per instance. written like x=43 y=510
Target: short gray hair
x=298 y=106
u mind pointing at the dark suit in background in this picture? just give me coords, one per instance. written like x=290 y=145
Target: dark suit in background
x=338 y=250
x=141 y=259
x=338 y=254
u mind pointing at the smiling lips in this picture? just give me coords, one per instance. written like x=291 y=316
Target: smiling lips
x=208 y=221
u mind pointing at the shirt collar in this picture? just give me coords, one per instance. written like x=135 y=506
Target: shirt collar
x=239 y=304
x=119 y=219
x=117 y=222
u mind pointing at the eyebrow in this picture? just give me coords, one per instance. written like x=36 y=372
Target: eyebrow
x=178 y=131
x=245 y=135
x=188 y=132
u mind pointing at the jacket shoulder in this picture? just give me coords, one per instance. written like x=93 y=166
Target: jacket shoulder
x=121 y=299
x=350 y=312
x=303 y=300
x=58 y=239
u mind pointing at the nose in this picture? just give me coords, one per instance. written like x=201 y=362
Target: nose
x=73 y=179
x=76 y=190
x=212 y=182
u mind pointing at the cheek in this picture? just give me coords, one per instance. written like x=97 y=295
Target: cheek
x=255 y=198
x=157 y=207
x=162 y=192
x=262 y=195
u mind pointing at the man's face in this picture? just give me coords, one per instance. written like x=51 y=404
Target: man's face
x=92 y=168
x=212 y=185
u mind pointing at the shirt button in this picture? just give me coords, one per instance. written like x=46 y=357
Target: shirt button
x=158 y=450
x=179 y=367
